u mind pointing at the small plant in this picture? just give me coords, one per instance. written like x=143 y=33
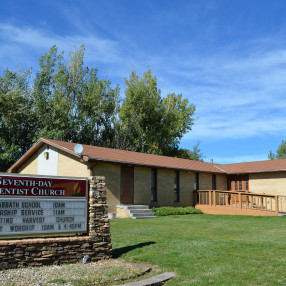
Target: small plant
x=165 y=211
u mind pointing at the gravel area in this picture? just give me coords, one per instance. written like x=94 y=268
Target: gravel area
x=114 y=269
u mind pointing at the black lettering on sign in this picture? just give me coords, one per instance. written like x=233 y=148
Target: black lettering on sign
x=8 y=212
x=65 y=219
x=8 y=220
x=31 y=205
x=48 y=227
x=75 y=226
x=21 y=228
x=33 y=219
x=58 y=212
x=6 y=205
x=59 y=205
x=32 y=212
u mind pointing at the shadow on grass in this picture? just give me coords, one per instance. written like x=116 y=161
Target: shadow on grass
x=116 y=253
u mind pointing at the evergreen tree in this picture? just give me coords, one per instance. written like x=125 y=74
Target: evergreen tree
x=280 y=152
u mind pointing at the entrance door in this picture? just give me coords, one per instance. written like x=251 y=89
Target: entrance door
x=238 y=183
x=127 y=185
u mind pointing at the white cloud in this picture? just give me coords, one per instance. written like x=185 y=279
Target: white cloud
x=237 y=95
x=26 y=39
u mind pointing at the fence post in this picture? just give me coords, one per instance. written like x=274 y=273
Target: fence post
x=276 y=205
x=240 y=201
x=210 y=198
x=214 y=197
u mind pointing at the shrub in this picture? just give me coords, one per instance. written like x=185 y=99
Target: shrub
x=165 y=211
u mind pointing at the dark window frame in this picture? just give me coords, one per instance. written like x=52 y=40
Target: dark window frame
x=197 y=181
x=214 y=182
x=240 y=185
x=154 y=187
x=177 y=186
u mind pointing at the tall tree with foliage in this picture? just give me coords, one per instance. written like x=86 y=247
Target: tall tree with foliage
x=194 y=154
x=67 y=101
x=72 y=103
x=280 y=152
x=17 y=117
x=149 y=122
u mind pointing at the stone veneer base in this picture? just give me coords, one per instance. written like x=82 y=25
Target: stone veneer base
x=58 y=250
x=41 y=251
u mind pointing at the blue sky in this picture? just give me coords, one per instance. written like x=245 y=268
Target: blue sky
x=227 y=57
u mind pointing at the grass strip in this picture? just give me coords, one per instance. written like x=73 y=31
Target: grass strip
x=207 y=249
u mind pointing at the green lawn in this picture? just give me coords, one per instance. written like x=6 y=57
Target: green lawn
x=207 y=249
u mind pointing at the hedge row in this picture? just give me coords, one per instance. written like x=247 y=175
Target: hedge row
x=164 y=211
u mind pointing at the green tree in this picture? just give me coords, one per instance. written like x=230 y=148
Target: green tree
x=72 y=103
x=67 y=101
x=280 y=152
x=194 y=154
x=149 y=122
x=17 y=117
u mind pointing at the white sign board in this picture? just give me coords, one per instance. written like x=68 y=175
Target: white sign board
x=29 y=216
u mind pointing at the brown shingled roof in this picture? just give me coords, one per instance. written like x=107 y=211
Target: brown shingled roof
x=254 y=167
x=128 y=157
x=94 y=153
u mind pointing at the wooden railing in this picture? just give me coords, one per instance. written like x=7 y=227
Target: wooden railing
x=229 y=202
x=282 y=204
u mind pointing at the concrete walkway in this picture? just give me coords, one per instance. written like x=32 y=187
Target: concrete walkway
x=154 y=281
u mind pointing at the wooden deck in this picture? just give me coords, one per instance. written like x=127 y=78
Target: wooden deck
x=239 y=203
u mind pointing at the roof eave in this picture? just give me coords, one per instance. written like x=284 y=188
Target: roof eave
x=149 y=165
x=26 y=156
x=34 y=149
x=260 y=171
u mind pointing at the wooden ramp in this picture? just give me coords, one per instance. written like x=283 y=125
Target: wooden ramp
x=239 y=203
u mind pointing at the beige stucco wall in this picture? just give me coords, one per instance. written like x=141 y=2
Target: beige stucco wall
x=268 y=183
x=142 y=185
x=205 y=181
x=30 y=167
x=71 y=166
x=221 y=182
x=165 y=188
x=68 y=165
x=112 y=179
x=187 y=186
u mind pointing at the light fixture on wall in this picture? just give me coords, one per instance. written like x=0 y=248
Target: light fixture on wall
x=46 y=155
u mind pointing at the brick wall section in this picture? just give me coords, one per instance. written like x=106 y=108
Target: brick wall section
x=40 y=251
